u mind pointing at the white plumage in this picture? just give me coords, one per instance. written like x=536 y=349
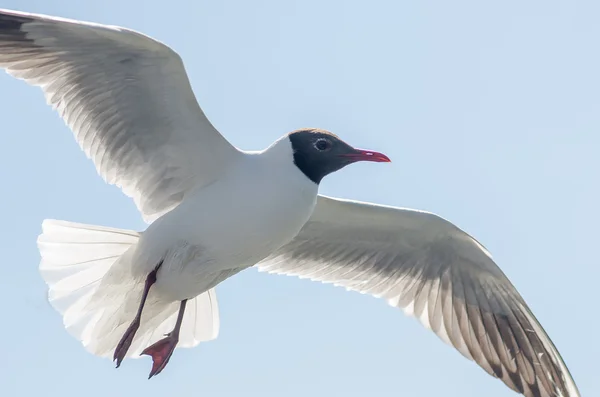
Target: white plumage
x=75 y=258
x=128 y=101
x=435 y=272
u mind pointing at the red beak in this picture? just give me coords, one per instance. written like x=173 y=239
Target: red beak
x=367 y=155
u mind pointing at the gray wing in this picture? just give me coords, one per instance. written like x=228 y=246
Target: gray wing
x=436 y=272
x=126 y=98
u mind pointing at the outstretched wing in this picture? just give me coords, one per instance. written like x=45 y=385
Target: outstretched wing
x=436 y=272
x=127 y=99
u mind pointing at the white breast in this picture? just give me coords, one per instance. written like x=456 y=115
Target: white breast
x=229 y=225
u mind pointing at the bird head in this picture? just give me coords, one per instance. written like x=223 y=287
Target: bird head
x=318 y=153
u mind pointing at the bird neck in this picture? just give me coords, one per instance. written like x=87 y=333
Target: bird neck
x=281 y=160
x=282 y=151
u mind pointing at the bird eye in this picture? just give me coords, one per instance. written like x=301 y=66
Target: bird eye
x=322 y=144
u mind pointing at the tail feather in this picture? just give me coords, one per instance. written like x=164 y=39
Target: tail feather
x=85 y=268
x=75 y=257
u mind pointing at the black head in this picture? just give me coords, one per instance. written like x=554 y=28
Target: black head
x=318 y=153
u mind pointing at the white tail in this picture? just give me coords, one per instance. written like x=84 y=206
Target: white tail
x=85 y=268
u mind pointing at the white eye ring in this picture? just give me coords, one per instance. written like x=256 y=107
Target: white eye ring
x=322 y=144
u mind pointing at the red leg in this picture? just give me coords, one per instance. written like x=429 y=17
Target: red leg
x=125 y=342
x=162 y=350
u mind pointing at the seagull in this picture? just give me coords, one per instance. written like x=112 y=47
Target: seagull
x=214 y=210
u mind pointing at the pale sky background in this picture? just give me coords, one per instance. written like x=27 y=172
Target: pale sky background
x=490 y=112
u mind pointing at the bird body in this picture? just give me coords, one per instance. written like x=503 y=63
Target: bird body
x=228 y=225
x=215 y=210
x=216 y=232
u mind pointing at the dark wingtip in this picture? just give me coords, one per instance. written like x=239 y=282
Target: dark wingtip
x=10 y=21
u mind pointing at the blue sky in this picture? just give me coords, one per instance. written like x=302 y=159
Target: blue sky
x=490 y=113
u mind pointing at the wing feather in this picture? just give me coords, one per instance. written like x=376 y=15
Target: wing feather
x=437 y=273
x=128 y=101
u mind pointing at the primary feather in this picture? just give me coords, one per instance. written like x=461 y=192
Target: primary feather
x=142 y=126
x=434 y=271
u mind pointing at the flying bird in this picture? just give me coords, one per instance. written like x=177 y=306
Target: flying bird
x=124 y=293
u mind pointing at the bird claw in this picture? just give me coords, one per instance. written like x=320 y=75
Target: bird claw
x=160 y=352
